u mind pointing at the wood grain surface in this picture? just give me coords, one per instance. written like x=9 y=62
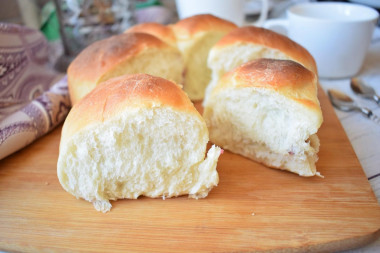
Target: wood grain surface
x=254 y=208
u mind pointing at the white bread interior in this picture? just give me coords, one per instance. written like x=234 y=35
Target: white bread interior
x=263 y=111
x=195 y=53
x=141 y=136
x=195 y=36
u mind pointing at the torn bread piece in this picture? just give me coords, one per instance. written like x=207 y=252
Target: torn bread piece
x=136 y=135
x=268 y=110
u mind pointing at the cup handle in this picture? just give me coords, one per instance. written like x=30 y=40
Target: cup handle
x=263 y=13
x=278 y=25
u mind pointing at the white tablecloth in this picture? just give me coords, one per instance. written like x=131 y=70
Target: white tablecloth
x=363 y=133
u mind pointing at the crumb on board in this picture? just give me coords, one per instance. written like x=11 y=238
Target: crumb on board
x=253 y=214
x=46 y=183
x=319 y=174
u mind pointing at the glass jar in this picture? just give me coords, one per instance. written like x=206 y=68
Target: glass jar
x=84 y=21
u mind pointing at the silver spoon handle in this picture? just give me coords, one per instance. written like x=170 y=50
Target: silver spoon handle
x=370 y=115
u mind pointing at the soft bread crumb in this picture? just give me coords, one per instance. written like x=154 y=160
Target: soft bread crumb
x=256 y=127
x=268 y=110
x=124 y=158
x=319 y=175
x=153 y=146
x=195 y=36
x=208 y=176
x=102 y=205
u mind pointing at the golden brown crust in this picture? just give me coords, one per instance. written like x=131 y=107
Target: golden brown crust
x=188 y=27
x=102 y=56
x=286 y=77
x=268 y=38
x=160 y=31
x=116 y=95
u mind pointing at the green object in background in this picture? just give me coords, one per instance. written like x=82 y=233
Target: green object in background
x=49 y=22
x=146 y=3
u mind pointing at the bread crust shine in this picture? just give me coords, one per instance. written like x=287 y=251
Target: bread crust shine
x=102 y=56
x=287 y=78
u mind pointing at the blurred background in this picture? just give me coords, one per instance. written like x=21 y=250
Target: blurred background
x=29 y=11
x=71 y=25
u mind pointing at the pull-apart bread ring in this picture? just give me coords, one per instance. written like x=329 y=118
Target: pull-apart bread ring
x=176 y=52
x=193 y=36
x=268 y=110
x=135 y=135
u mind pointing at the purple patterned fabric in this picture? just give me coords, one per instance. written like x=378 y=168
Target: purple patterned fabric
x=24 y=70
x=35 y=119
x=32 y=102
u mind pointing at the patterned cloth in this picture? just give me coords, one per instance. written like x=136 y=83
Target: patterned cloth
x=32 y=102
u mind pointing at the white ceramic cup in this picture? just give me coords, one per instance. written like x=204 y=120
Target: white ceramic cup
x=336 y=34
x=232 y=10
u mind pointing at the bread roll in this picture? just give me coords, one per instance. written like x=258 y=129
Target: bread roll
x=122 y=54
x=249 y=43
x=135 y=135
x=268 y=110
x=164 y=33
x=195 y=36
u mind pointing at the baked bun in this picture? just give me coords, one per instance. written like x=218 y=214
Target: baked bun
x=268 y=110
x=195 y=36
x=122 y=54
x=164 y=33
x=135 y=135
x=249 y=43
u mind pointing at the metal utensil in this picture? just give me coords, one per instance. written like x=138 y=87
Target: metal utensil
x=364 y=90
x=345 y=103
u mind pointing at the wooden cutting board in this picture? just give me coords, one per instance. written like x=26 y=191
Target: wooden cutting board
x=253 y=208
